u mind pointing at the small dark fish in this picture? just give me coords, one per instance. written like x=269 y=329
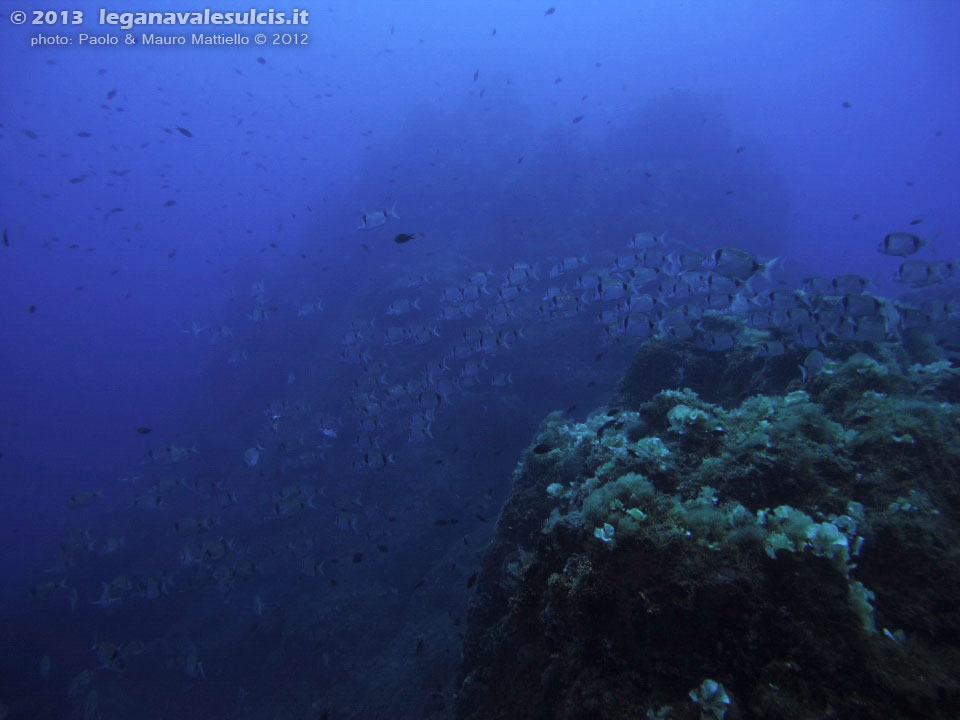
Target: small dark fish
x=557 y=81
x=603 y=428
x=542 y=448
x=916 y=222
x=599 y=356
x=847 y=105
x=909 y=183
x=78 y=179
x=481 y=518
x=83 y=133
x=549 y=11
x=184 y=131
x=419 y=650
x=357 y=557
x=261 y=61
x=741 y=148
x=520 y=160
x=471 y=580
x=170 y=203
x=171 y=253
x=577 y=119
x=6 y=240
x=383 y=548
x=856 y=216
x=476 y=74
x=32 y=308
x=404 y=237
x=440 y=523
x=274 y=245
x=494 y=32
x=570 y=409
x=591 y=383
x=144 y=430
x=365 y=247
x=111 y=94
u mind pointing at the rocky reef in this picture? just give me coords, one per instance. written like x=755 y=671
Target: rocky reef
x=750 y=544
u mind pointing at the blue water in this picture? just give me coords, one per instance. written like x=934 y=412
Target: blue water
x=800 y=130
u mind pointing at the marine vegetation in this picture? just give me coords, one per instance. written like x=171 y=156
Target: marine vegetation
x=751 y=546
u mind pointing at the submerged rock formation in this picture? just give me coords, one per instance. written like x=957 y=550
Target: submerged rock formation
x=753 y=547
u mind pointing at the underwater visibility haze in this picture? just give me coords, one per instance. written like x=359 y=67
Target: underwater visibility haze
x=481 y=360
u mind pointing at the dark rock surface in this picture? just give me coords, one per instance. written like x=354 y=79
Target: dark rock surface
x=797 y=543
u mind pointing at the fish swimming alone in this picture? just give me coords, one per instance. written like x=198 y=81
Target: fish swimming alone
x=376 y=218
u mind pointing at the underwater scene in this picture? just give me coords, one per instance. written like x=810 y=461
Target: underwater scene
x=480 y=361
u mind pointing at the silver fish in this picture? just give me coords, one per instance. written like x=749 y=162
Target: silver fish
x=252 y=455
x=401 y=306
x=643 y=240
x=736 y=263
x=861 y=305
x=717 y=341
x=393 y=335
x=920 y=274
x=567 y=264
x=849 y=284
x=901 y=244
x=772 y=348
x=109 y=656
x=308 y=308
x=373 y=219
x=813 y=364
